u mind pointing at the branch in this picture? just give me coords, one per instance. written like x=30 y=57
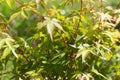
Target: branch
x=32 y=9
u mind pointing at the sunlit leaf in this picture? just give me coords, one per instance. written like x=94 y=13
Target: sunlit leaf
x=79 y=37
x=87 y=76
x=97 y=73
x=5 y=53
x=83 y=18
x=50 y=24
x=2 y=42
x=1 y=1
x=24 y=14
x=37 y=3
x=50 y=28
x=58 y=26
x=112 y=35
x=11 y=47
x=84 y=53
x=42 y=24
x=10 y=3
x=14 y=15
x=34 y=75
x=108 y=56
x=30 y=72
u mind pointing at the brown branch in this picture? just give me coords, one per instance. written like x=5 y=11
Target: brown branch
x=19 y=2
x=43 y=5
x=101 y=2
x=36 y=12
x=32 y=9
x=81 y=5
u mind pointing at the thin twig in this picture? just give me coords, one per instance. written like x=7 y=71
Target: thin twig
x=43 y=5
x=32 y=9
x=101 y=2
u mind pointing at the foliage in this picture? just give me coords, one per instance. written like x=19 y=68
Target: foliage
x=59 y=40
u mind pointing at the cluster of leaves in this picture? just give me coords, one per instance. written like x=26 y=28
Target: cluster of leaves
x=59 y=40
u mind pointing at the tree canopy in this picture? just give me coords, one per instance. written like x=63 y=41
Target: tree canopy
x=59 y=40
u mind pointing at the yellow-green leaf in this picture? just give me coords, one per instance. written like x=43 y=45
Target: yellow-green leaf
x=14 y=16
x=84 y=53
x=1 y=1
x=50 y=25
x=5 y=53
x=11 y=47
x=83 y=18
x=10 y=3
x=97 y=73
x=24 y=14
x=2 y=42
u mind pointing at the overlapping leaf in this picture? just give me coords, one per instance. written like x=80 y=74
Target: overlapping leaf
x=50 y=24
x=7 y=43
